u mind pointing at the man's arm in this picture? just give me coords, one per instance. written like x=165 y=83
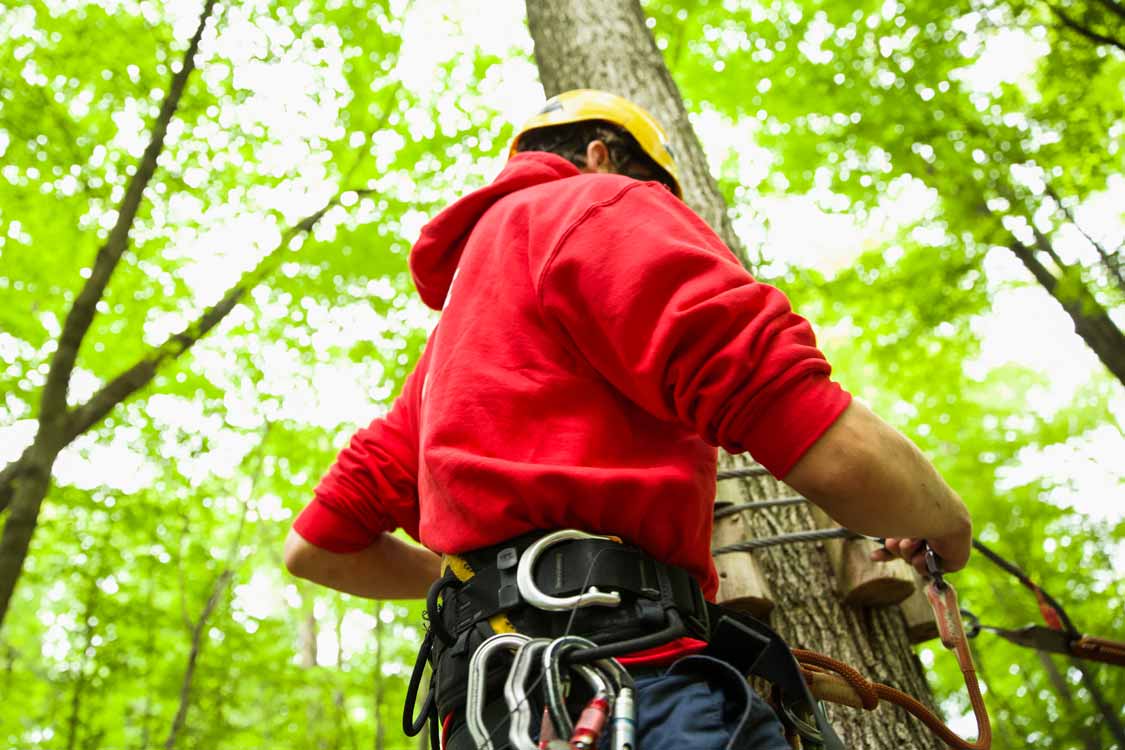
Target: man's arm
x=871 y=478
x=388 y=569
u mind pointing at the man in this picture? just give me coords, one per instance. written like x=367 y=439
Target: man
x=597 y=342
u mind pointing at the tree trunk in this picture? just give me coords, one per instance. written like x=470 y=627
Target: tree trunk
x=28 y=490
x=605 y=44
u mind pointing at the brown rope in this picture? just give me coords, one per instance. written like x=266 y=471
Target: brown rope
x=833 y=680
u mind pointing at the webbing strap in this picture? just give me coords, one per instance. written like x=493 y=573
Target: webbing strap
x=753 y=648
x=569 y=568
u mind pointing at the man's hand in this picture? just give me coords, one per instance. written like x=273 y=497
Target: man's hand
x=952 y=550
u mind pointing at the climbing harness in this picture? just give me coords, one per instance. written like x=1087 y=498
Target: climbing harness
x=490 y=602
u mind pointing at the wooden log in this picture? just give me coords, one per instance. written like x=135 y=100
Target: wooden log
x=861 y=581
x=742 y=586
x=919 y=615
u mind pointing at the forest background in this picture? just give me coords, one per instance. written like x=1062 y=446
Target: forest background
x=937 y=186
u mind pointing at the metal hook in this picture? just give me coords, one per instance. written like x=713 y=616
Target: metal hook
x=525 y=578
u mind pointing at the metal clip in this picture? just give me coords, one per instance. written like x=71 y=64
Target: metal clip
x=933 y=567
x=478 y=673
x=515 y=694
x=525 y=578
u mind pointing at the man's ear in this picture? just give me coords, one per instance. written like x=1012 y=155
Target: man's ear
x=597 y=157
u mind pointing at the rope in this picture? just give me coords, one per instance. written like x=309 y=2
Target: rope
x=831 y=679
x=795 y=537
x=781 y=502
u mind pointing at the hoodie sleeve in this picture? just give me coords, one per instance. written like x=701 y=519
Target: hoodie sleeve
x=654 y=300
x=373 y=485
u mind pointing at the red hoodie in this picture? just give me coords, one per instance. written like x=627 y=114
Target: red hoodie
x=597 y=341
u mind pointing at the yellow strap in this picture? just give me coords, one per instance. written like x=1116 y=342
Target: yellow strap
x=461 y=568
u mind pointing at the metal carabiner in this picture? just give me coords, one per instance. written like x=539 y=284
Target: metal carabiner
x=525 y=578
x=475 y=690
x=553 y=680
x=515 y=694
x=624 y=718
x=591 y=722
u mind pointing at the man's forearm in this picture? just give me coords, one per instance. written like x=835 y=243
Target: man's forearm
x=871 y=478
x=388 y=569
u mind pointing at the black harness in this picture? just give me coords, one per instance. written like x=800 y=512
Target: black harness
x=659 y=603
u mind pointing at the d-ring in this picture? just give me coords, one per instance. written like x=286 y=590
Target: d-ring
x=525 y=578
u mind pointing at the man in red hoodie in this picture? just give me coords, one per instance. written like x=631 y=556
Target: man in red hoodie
x=597 y=342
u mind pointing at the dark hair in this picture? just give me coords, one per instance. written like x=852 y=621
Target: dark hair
x=571 y=139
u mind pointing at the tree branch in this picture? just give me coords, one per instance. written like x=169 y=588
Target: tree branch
x=136 y=377
x=1085 y=31
x=1113 y=7
x=217 y=591
x=81 y=314
x=1090 y=319
x=1112 y=264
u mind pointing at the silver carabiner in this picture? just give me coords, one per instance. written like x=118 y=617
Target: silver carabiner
x=624 y=718
x=515 y=694
x=478 y=674
x=525 y=578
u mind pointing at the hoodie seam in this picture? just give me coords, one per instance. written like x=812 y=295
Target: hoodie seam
x=541 y=281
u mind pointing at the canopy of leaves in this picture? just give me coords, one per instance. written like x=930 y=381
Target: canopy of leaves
x=881 y=116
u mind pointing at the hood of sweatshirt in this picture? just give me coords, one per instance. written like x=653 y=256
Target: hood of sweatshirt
x=434 y=257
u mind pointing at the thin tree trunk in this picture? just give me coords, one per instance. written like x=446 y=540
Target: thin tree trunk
x=605 y=44
x=380 y=728
x=82 y=680
x=1108 y=712
x=27 y=481
x=1090 y=740
x=24 y=482
x=217 y=591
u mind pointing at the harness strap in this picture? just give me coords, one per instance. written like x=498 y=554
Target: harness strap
x=567 y=569
x=753 y=648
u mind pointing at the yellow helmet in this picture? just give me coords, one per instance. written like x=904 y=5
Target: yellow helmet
x=589 y=104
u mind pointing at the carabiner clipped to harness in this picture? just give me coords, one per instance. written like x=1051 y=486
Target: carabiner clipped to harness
x=525 y=578
x=478 y=674
x=515 y=694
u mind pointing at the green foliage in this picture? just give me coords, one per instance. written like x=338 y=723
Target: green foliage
x=202 y=474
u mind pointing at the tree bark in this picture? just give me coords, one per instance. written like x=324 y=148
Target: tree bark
x=605 y=44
